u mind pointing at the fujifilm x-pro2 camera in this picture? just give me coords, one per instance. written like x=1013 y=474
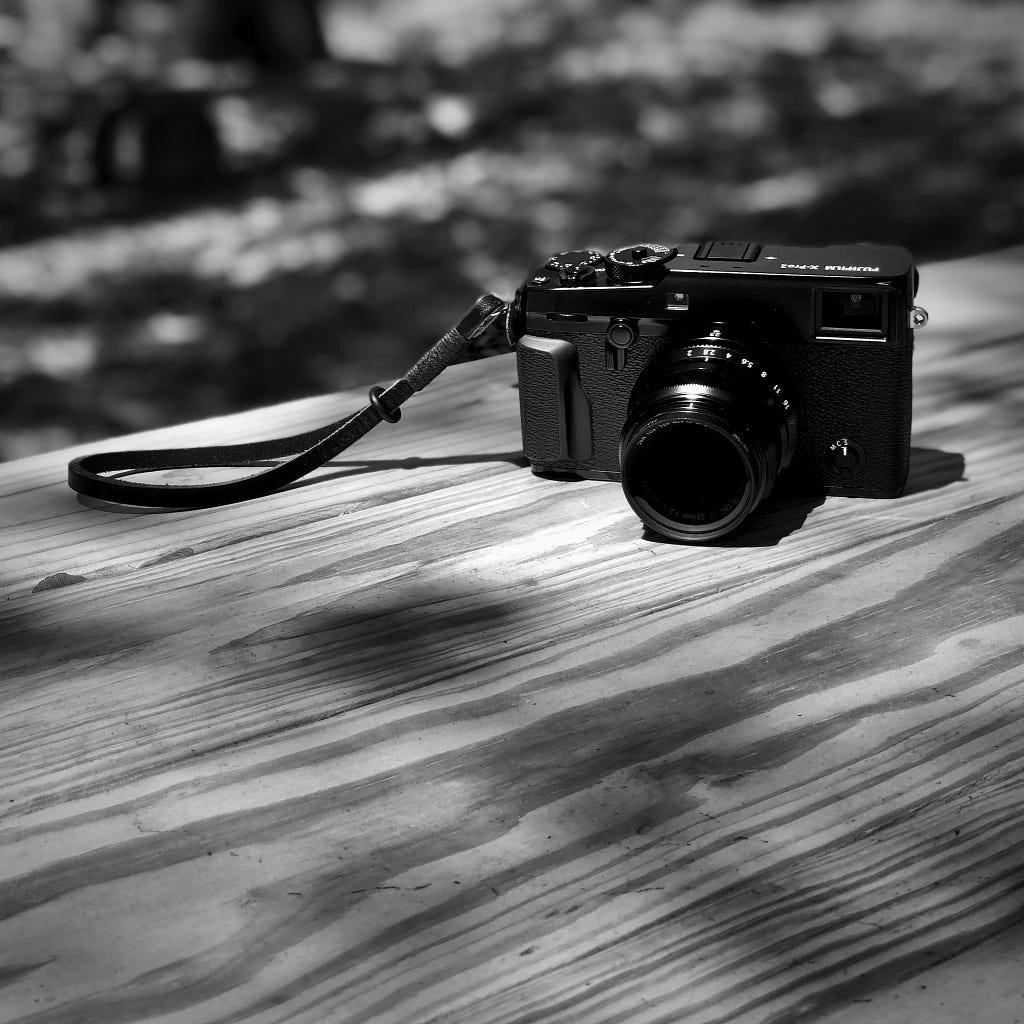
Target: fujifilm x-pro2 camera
x=697 y=374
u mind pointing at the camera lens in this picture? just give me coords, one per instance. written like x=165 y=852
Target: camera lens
x=709 y=428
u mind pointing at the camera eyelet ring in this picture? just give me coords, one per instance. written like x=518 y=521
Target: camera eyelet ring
x=378 y=406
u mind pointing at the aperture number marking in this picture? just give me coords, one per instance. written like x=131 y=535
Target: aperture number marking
x=711 y=352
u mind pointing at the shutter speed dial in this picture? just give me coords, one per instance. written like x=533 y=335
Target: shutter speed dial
x=638 y=263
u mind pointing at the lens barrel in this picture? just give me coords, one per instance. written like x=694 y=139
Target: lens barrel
x=710 y=426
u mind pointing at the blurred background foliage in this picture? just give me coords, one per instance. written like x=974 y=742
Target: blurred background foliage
x=206 y=207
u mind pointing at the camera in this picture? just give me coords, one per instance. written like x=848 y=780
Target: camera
x=697 y=374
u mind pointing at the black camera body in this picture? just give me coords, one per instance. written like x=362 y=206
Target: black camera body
x=697 y=373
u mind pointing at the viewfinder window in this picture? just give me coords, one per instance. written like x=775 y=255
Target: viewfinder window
x=848 y=312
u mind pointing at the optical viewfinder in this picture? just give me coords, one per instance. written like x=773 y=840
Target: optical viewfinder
x=851 y=313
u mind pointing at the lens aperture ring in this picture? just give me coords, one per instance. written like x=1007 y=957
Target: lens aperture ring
x=752 y=371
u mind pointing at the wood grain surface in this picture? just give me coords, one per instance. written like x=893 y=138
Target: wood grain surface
x=426 y=738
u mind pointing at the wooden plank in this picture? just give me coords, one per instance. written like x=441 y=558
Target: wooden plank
x=427 y=738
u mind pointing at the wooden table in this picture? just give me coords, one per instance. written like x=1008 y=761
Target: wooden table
x=427 y=738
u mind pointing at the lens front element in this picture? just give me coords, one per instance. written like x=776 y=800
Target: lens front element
x=686 y=477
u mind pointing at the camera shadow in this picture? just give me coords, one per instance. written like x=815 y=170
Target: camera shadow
x=782 y=513
x=776 y=518
x=932 y=468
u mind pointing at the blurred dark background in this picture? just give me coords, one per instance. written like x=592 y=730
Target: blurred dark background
x=206 y=207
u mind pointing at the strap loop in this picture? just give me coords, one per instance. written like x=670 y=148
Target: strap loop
x=303 y=452
x=378 y=406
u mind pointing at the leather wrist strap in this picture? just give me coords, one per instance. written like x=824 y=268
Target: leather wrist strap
x=303 y=452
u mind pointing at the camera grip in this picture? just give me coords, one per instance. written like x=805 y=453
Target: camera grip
x=554 y=410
